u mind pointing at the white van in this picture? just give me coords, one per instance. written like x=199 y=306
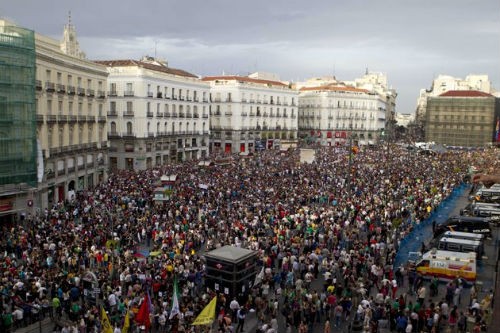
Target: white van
x=461 y=245
x=464 y=235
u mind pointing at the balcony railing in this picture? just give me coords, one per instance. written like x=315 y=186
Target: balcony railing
x=112 y=93
x=159 y=114
x=80 y=91
x=61 y=88
x=128 y=113
x=112 y=113
x=38 y=85
x=100 y=94
x=149 y=114
x=150 y=94
x=51 y=118
x=101 y=119
x=196 y=115
x=71 y=90
x=49 y=86
x=205 y=115
x=159 y=95
x=90 y=92
x=128 y=93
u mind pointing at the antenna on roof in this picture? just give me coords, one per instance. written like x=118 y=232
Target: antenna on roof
x=69 y=17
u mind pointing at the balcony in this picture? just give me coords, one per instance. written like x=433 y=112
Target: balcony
x=181 y=114
x=62 y=118
x=91 y=119
x=228 y=114
x=196 y=115
x=174 y=114
x=159 y=115
x=71 y=90
x=159 y=95
x=150 y=94
x=129 y=135
x=167 y=114
x=205 y=115
x=113 y=134
x=49 y=86
x=72 y=118
x=112 y=93
x=80 y=91
x=101 y=119
x=205 y=100
x=243 y=100
x=39 y=118
x=149 y=114
x=51 y=118
x=82 y=118
x=61 y=88
x=101 y=94
x=90 y=93
x=151 y=134
x=244 y=114
x=128 y=93
x=128 y=113
x=38 y=85
x=189 y=115
x=112 y=113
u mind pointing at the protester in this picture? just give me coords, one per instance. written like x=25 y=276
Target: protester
x=114 y=245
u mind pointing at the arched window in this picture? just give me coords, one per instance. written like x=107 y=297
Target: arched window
x=129 y=127
x=113 y=127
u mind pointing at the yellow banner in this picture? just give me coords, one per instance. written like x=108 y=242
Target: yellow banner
x=106 y=325
x=126 y=323
x=207 y=315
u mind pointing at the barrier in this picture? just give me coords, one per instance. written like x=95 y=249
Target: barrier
x=423 y=232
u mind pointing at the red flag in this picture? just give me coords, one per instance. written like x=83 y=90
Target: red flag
x=142 y=316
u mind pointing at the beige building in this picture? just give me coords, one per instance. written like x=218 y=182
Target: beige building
x=71 y=118
x=444 y=83
x=464 y=118
x=156 y=114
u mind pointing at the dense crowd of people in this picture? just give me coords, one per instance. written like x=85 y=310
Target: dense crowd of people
x=300 y=217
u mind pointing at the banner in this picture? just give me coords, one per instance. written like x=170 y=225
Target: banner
x=126 y=323
x=105 y=324
x=175 y=302
x=207 y=315
x=142 y=316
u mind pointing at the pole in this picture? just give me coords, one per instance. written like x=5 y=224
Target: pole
x=349 y=165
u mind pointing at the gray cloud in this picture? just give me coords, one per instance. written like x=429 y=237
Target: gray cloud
x=410 y=41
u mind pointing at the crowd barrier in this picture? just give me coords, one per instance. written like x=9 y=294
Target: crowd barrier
x=422 y=232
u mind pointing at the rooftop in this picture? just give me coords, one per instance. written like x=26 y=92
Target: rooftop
x=465 y=93
x=331 y=87
x=243 y=79
x=158 y=68
x=230 y=253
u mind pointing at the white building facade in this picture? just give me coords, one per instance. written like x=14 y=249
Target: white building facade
x=156 y=114
x=71 y=118
x=248 y=113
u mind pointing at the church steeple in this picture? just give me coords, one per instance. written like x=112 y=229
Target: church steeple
x=69 y=44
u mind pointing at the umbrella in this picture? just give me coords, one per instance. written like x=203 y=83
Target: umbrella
x=154 y=253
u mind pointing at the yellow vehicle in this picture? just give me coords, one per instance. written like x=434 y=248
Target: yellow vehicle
x=447 y=265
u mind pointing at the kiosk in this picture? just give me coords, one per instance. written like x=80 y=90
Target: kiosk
x=231 y=270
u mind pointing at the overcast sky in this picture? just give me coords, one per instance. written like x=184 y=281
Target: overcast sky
x=411 y=41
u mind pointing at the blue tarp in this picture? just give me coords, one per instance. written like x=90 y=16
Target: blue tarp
x=423 y=231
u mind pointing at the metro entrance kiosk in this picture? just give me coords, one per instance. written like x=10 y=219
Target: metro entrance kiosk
x=231 y=270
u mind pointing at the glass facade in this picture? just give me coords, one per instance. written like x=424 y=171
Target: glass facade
x=18 y=149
